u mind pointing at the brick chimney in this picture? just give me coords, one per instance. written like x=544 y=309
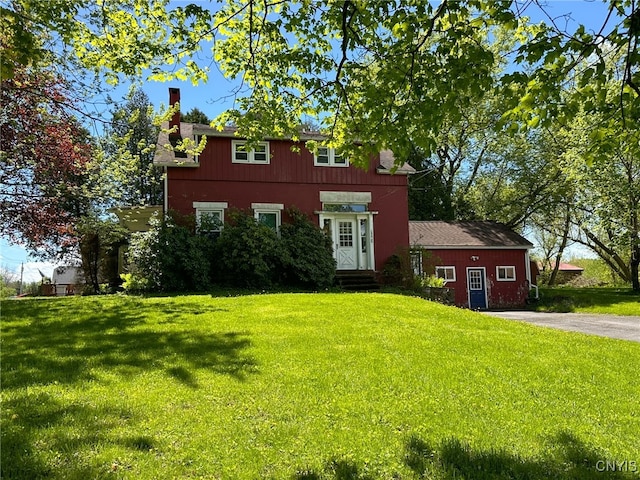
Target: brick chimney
x=174 y=97
x=175 y=137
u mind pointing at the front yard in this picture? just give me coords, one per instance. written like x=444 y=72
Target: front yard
x=307 y=386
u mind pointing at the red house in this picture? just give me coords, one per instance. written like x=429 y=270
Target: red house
x=486 y=263
x=364 y=211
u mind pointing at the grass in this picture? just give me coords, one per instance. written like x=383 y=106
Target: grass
x=607 y=300
x=307 y=386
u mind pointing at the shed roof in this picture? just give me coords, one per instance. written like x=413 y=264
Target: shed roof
x=564 y=267
x=476 y=234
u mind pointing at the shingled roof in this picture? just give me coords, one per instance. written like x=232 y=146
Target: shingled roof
x=479 y=234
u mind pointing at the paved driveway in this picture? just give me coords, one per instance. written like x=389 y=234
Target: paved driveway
x=613 y=326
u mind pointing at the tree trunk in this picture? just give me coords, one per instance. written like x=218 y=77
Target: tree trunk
x=610 y=257
x=563 y=245
x=635 y=261
x=90 y=248
x=635 y=239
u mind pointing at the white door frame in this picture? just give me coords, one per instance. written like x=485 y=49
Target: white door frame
x=484 y=285
x=363 y=237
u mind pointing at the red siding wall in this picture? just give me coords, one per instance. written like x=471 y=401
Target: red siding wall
x=500 y=294
x=292 y=179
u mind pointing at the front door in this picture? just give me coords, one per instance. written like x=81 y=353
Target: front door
x=346 y=245
x=476 y=282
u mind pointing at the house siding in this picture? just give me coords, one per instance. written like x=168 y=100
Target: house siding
x=500 y=294
x=286 y=166
x=292 y=179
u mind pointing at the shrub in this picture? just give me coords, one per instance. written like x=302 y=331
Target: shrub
x=134 y=283
x=142 y=260
x=307 y=253
x=398 y=271
x=170 y=257
x=247 y=252
x=432 y=281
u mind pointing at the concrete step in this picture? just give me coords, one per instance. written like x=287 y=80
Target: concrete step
x=357 y=280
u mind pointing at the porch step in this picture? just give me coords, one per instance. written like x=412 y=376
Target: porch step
x=357 y=280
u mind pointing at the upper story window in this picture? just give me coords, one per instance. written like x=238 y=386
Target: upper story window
x=328 y=157
x=506 y=274
x=448 y=273
x=242 y=154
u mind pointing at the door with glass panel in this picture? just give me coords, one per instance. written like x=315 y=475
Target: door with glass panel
x=347 y=244
x=476 y=283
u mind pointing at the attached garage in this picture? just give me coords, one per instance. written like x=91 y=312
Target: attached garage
x=485 y=263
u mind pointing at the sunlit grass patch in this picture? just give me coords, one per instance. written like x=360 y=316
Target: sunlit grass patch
x=604 y=300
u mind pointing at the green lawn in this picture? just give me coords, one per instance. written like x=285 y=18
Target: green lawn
x=609 y=300
x=307 y=386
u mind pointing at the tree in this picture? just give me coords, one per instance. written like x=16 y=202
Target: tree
x=128 y=175
x=9 y=282
x=99 y=239
x=464 y=147
x=376 y=73
x=609 y=218
x=44 y=160
x=195 y=115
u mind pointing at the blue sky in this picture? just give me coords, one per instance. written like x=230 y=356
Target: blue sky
x=214 y=97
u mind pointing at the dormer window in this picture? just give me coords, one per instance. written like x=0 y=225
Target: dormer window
x=328 y=157
x=242 y=154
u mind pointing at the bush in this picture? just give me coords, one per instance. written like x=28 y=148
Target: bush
x=134 y=283
x=185 y=260
x=247 y=253
x=170 y=257
x=432 y=281
x=398 y=271
x=307 y=253
x=143 y=265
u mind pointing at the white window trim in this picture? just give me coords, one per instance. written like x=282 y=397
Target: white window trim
x=210 y=207
x=197 y=139
x=506 y=279
x=447 y=267
x=250 y=153
x=276 y=208
x=415 y=257
x=331 y=153
x=345 y=197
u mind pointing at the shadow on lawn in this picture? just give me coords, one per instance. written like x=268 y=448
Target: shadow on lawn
x=47 y=342
x=48 y=345
x=453 y=459
x=80 y=430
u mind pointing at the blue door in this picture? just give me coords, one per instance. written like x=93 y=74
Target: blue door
x=476 y=283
